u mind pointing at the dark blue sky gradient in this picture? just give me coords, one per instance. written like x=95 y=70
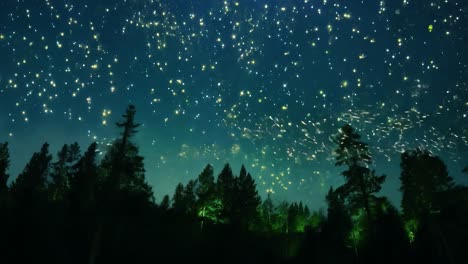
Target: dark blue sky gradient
x=260 y=83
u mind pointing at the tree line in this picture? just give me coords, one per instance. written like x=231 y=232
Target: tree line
x=77 y=208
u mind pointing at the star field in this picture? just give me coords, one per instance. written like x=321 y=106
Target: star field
x=264 y=83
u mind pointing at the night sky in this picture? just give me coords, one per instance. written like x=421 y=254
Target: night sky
x=264 y=83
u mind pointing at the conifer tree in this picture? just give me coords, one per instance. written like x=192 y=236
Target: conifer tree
x=423 y=176
x=84 y=181
x=226 y=190
x=60 y=175
x=268 y=211
x=178 y=200
x=247 y=199
x=30 y=185
x=123 y=166
x=361 y=182
x=208 y=205
x=338 y=225
x=165 y=203
x=206 y=186
x=190 y=199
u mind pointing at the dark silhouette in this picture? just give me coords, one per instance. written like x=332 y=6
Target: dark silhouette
x=84 y=182
x=79 y=209
x=30 y=186
x=4 y=165
x=178 y=200
x=434 y=208
x=225 y=188
x=122 y=166
x=423 y=176
x=361 y=182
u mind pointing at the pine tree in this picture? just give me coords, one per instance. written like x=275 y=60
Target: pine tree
x=292 y=217
x=281 y=221
x=74 y=153
x=247 y=199
x=208 y=205
x=226 y=190
x=31 y=183
x=165 y=203
x=361 y=183
x=268 y=211
x=123 y=166
x=206 y=186
x=190 y=198
x=84 y=180
x=338 y=224
x=60 y=175
x=178 y=200
x=423 y=176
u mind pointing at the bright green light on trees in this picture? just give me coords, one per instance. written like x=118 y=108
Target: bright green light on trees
x=211 y=210
x=411 y=226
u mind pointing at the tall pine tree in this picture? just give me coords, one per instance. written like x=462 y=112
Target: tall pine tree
x=123 y=166
x=225 y=187
x=60 y=175
x=178 y=199
x=84 y=181
x=247 y=199
x=361 y=183
x=208 y=205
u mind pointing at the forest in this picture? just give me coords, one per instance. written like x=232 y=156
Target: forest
x=77 y=207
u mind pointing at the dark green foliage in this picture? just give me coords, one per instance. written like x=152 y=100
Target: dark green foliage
x=225 y=188
x=268 y=211
x=208 y=204
x=4 y=165
x=103 y=213
x=390 y=242
x=361 y=182
x=206 y=186
x=336 y=230
x=423 y=176
x=165 y=203
x=190 y=198
x=298 y=218
x=123 y=167
x=178 y=200
x=247 y=199
x=30 y=185
x=351 y=151
x=338 y=223
x=84 y=180
x=60 y=173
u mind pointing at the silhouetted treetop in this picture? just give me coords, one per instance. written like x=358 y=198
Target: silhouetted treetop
x=422 y=177
x=84 y=180
x=122 y=165
x=350 y=150
x=32 y=182
x=361 y=182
